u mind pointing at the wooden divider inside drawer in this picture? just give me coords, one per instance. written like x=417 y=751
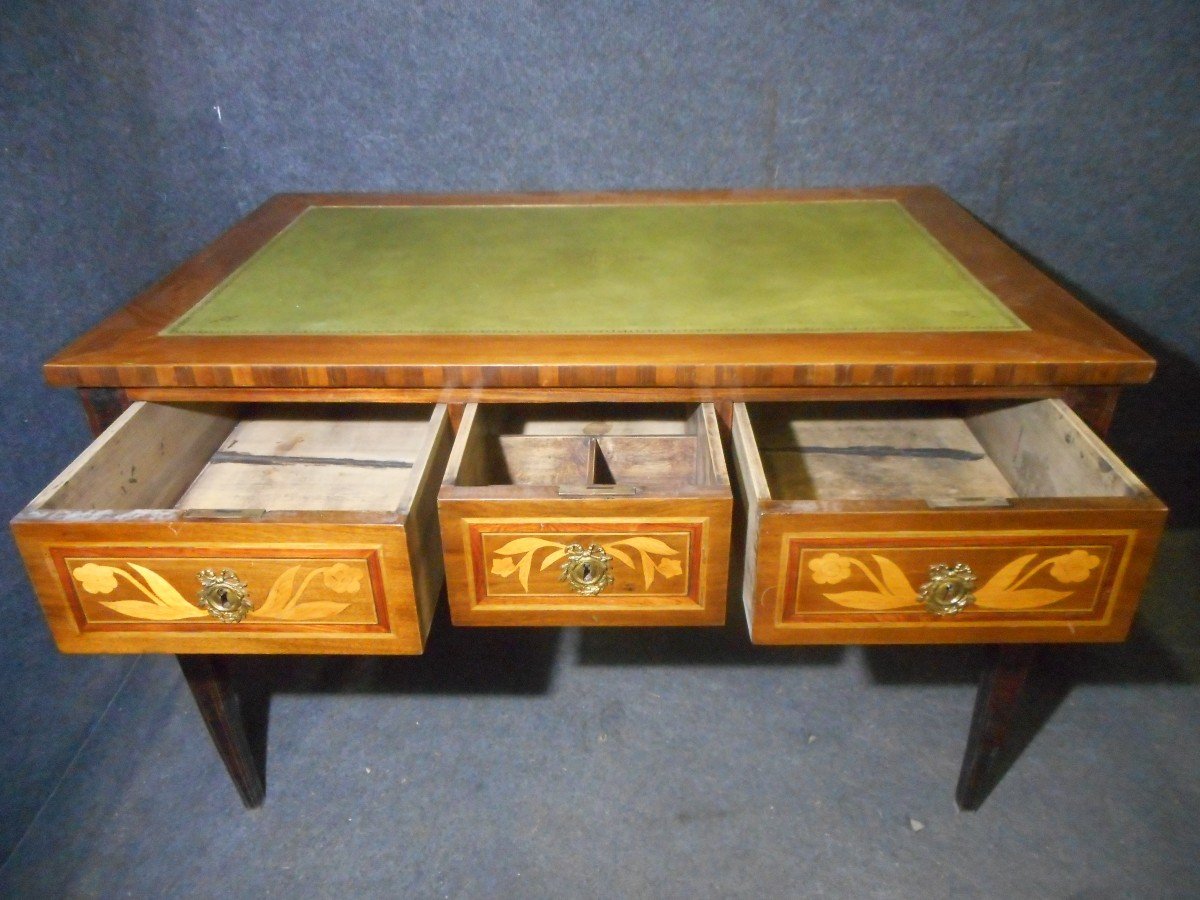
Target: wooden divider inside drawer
x=218 y=529
x=586 y=514
x=892 y=523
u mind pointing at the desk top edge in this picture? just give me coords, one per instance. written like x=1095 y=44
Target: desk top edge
x=1066 y=343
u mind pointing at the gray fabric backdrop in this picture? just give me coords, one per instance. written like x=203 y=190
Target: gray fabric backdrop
x=134 y=132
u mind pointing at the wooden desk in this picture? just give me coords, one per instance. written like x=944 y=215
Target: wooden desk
x=580 y=410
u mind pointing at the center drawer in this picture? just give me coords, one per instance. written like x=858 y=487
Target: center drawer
x=899 y=522
x=586 y=514
x=222 y=529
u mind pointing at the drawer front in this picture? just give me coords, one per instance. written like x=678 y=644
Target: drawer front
x=111 y=591
x=1016 y=578
x=584 y=570
x=635 y=561
x=586 y=514
x=981 y=584
x=179 y=589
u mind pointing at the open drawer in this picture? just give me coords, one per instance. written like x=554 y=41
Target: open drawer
x=898 y=522
x=586 y=514
x=217 y=529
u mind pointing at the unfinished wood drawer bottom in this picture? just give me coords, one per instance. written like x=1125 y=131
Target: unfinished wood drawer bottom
x=890 y=523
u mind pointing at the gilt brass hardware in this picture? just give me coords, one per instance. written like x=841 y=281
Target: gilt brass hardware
x=224 y=596
x=948 y=590
x=587 y=570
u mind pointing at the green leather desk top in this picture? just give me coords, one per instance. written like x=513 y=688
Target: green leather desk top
x=696 y=295
x=737 y=268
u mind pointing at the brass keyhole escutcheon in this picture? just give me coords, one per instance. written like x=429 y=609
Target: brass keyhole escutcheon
x=587 y=570
x=224 y=596
x=948 y=590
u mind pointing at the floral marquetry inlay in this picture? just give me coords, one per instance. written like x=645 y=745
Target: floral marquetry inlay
x=162 y=603
x=296 y=591
x=874 y=582
x=655 y=563
x=654 y=557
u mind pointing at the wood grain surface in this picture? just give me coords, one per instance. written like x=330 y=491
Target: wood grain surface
x=115 y=562
x=1061 y=557
x=1066 y=344
x=506 y=525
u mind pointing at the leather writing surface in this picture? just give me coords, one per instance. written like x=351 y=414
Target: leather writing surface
x=722 y=268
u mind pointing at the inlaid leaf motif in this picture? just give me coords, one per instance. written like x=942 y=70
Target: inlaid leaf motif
x=1003 y=591
x=648 y=568
x=644 y=546
x=1025 y=598
x=524 y=545
x=139 y=609
x=523 y=568
x=611 y=550
x=893 y=589
x=1004 y=579
x=551 y=559
x=283 y=599
x=279 y=593
x=518 y=555
x=164 y=602
x=162 y=589
x=648 y=545
x=527 y=547
x=894 y=579
x=316 y=609
x=872 y=601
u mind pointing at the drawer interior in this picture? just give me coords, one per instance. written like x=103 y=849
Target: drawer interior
x=263 y=458
x=590 y=446
x=938 y=452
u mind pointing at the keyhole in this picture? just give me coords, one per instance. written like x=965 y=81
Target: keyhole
x=223 y=600
x=586 y=571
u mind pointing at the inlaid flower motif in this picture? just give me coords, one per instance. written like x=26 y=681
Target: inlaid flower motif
x=503 y=566
x=342 y=579
x=653 y=556
x=830 y=568
x=1074 y=566
x=96 y=579
x=669 y=568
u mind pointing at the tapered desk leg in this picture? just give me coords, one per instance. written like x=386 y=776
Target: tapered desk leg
x=212 y=687
x=102 y=406
x=996 y=707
